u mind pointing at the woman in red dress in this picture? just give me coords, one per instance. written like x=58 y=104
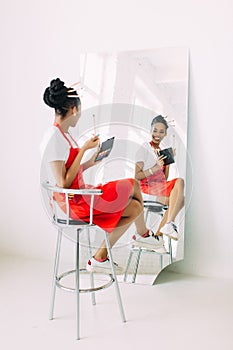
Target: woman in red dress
x=121 y=202
x=152 y=174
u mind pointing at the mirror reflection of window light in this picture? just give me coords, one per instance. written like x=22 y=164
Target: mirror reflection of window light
x=98 y=73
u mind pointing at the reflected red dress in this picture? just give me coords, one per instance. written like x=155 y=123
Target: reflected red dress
x=107 y=208
x=156 y=184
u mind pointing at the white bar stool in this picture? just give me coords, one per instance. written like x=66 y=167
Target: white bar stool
x=61 y=221
x=149 y=207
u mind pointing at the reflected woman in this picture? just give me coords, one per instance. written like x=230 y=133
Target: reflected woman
x=152 y=174
x=121 y=201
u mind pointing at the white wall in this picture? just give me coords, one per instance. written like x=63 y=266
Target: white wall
x=42 y=40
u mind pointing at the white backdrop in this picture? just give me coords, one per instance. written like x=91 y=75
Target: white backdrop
x=43 y=40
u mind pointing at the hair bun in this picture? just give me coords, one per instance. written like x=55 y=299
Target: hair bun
x=55 y=95
x=159 y=119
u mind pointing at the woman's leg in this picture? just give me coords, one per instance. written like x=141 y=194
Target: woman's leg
x=133 y=209
x=137 y=217
x=175 y=203
x=139 y=220
x=176 y=200
x=162 y=223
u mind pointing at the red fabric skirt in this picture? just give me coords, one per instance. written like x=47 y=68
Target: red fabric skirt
x=157 y=188
x=107 y=208
x=157 y=185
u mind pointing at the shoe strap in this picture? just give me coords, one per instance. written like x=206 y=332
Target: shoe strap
x=151 y=234
x=174 y=226
x=114 y=263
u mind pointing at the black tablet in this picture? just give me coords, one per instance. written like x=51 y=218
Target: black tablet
x=105 y=149
x=168 y=152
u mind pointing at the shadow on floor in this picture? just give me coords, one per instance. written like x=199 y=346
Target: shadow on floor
x=167 y=275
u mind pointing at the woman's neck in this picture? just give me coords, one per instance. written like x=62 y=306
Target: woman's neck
x=62 y=123
x=154 y=145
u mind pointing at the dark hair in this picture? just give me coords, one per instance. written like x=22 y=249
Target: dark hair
x=159 y=119
x=59 y=97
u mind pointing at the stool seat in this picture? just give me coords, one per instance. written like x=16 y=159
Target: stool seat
x=154 y=206
x=73 y=222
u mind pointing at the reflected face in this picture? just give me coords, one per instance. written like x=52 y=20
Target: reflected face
x=158 y=132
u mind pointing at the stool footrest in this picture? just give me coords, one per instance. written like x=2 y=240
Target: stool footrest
x=83 y=290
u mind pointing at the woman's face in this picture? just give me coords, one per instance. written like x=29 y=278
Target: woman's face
x=158 y=132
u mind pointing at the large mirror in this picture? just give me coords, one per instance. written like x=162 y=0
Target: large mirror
x=121 y=94
x=140 y=98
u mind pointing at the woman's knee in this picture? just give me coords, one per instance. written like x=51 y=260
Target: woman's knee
x=136 y=186
x=180 y=183
x=136 y=192
x=136 y=208
x=133 y=209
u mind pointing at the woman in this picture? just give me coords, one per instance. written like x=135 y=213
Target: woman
x=121 y=202
x=152 y=174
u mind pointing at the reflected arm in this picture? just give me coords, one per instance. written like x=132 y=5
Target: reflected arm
x=141 y=174
x=166 y=171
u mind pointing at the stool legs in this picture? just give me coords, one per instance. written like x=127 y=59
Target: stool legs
x=77 y=287
x=56 y=265
x=140 y=251
x=91 y=274
x=161 y=262
x=128 y=265
x=136 y=265
x=115 y=278
x=170 y=249
x=55 y=282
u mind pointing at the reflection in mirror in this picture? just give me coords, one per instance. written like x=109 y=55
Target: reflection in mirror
x=124 y=91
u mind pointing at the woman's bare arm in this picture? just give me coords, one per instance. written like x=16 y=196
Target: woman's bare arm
x=166 y=171
x=64 y=177
x=91 y=162
x=141 y=174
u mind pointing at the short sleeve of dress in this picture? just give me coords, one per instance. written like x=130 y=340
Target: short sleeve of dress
x=54 y=146
x=146 y=155
x=141 y=153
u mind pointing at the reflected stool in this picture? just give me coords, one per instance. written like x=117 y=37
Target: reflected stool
x=156 y=208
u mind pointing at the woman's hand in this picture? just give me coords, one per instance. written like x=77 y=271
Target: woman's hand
x=92 y=161
x=89 y=163
x=160 y=159
x=91 y=143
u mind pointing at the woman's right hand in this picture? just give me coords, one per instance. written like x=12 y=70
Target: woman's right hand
x=91 y=143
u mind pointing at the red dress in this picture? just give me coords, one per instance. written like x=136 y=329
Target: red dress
x=107 y=208
x=156 y=184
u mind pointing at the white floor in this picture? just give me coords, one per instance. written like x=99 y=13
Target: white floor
x=183 y=312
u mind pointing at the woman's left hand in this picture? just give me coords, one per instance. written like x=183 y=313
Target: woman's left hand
x=160 y=159
x=92 y=159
